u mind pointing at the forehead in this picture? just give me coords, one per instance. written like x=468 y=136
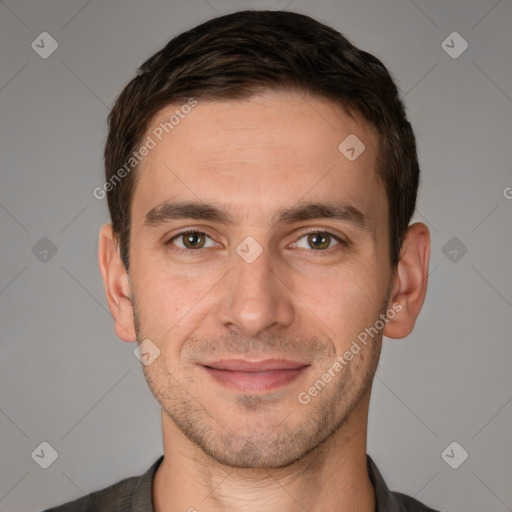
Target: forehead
x=256 y=155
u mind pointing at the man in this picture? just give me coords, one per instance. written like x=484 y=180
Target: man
x=261 y=177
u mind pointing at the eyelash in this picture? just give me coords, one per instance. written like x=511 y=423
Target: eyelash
x=190 y=252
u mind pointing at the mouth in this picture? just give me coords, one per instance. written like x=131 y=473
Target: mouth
x=251 y=376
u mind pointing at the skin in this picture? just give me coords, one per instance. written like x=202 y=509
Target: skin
x=225 y=449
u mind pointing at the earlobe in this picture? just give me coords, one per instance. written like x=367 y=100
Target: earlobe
x=409 y=286
x=117 y=284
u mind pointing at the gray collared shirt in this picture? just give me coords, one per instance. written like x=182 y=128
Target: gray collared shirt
x=135 y=495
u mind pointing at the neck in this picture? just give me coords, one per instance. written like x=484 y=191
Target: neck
x=330 y=478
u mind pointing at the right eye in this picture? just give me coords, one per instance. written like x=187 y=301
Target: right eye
x=190 y=240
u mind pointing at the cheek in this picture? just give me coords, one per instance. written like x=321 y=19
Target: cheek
x=169 y=297
x=347 y=301
x=165 y=307
x=166 y=299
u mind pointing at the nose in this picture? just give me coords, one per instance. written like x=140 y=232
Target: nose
x=256 y=297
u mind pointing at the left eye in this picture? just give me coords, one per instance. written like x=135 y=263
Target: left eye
x=317 y=240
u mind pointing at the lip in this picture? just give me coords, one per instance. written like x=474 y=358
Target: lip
x=243 y=365
x=255 y=376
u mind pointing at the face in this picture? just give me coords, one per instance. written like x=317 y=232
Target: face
x=283 y=264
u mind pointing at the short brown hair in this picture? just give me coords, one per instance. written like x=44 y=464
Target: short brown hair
x=239 y=54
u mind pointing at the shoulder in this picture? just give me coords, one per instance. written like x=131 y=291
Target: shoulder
x=391 y=501
x=115 y=497
x=133 y=493
x=409 y=504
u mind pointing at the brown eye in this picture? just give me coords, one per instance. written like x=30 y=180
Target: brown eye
x=193 y=240
x=190 y=240
x=318 y=241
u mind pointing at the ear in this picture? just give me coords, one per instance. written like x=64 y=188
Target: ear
x=117 y=284
x=409 y=285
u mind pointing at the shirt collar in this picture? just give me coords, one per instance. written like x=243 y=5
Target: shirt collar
x=384 y=499
x=142 y=497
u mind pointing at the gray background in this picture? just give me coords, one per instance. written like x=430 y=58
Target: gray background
x=67 y=380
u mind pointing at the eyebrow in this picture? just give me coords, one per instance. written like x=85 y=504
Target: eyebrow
x=197 y=210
